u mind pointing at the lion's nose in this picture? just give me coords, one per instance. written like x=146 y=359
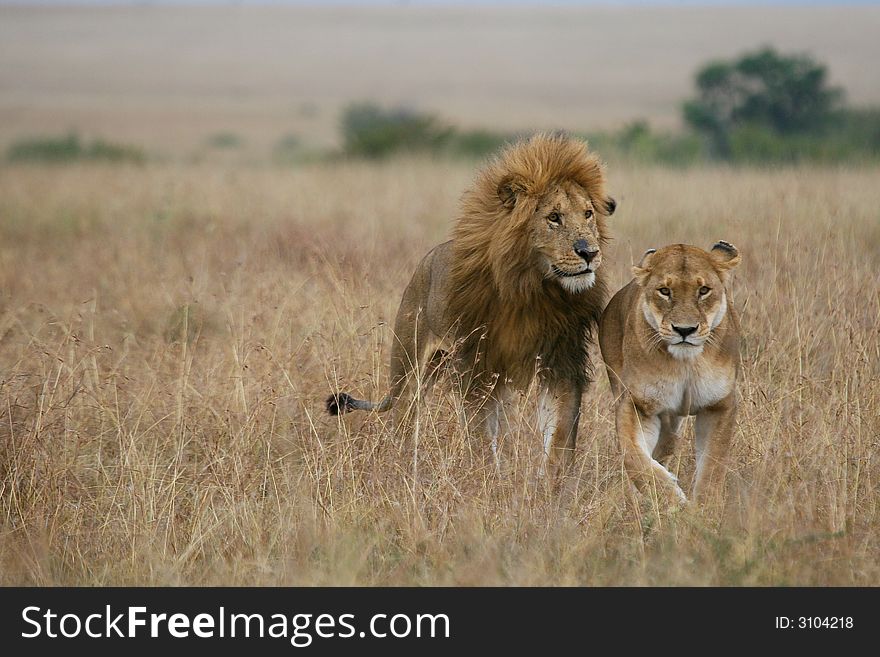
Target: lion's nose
x=684 y=331
x=583 y=250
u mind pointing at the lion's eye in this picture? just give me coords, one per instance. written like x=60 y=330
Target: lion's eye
x=705 y=290
x=588 y=214
x=554 y=218
x=664 y=291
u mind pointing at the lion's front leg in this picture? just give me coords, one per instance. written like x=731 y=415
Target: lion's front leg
x=485 y=414
x=638 y=434
x=558 y=413
x=493 y=428
x=714 y=430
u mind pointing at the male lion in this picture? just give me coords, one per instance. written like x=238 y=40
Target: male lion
x=517 y=291
x=670 y=340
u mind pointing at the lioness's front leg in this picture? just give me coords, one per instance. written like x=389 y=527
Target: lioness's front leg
x=638 y=433
x=714 y=432
x=670 y=426
x=560 y=411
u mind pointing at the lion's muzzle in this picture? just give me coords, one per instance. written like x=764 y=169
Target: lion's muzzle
x=586 y=253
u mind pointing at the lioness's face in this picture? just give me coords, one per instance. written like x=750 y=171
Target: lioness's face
x=565 y=235
x=683 y=296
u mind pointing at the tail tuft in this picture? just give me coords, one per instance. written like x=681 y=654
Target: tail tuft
x=339 y=403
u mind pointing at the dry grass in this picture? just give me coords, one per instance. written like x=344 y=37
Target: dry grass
x=168 y=335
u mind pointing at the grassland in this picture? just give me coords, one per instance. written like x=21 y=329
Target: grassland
x=168 y=334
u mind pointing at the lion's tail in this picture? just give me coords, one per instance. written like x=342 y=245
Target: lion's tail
x=341 y=402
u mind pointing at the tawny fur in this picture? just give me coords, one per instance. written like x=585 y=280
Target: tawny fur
x=494 y=281
x=658 y=376
x=518 y=290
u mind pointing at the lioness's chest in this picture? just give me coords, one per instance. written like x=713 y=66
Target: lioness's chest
x=688 y=390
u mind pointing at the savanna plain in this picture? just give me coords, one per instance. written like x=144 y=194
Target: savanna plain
x=169 y=335
x=169 y=330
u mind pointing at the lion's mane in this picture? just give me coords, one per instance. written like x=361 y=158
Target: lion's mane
x=510 y=319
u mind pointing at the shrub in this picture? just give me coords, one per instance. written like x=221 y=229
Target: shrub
x=46 y=149
x=860 y=128
x=105 y=150
x=841 y=135
x=69 y=149
x=224 y=140
x=372 y=132
x=479 y=143
x=855 y=137
x=638 y=142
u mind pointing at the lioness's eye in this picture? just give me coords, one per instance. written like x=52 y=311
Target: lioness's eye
x=705 y=290
x=588 y=214
x=554 y=218
x=664 y=291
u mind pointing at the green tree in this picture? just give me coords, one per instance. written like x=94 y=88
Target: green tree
x=786 y=94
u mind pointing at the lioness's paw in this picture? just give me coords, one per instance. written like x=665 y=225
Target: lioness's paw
x=680 y=497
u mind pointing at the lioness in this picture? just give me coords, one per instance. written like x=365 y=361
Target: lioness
x=516 y=293
x=670 y=341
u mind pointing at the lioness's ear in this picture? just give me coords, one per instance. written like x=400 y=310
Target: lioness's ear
x=641 y=270
x=725 y=255
x=509 y=189
x=607 y=206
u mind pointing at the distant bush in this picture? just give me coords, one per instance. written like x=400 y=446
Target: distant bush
x=105 y=150
x=854 y=137
x=638 y=142
x=479 y=143
x=70 y=148
x=833 y=136
x=46 y=149
x=861 y=129
x=225 y=140
x=754 y=144
x=372 y=132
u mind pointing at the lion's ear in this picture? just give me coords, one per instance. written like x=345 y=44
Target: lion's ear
x=607 y=206
x=510 y=188
x=643 y=269
x=725 y=255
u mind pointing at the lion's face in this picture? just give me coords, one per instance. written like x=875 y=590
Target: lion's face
x=683 y=296
x=565 y=236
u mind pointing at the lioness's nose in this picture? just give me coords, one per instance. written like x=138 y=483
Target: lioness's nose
x=684 y=331
x=583 y=250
